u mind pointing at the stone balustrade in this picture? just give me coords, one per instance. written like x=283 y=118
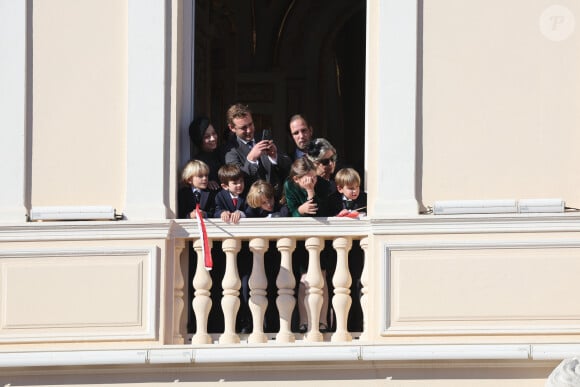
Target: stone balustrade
x=284 y=249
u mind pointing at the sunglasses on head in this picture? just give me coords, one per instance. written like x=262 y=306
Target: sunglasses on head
x=327 y=161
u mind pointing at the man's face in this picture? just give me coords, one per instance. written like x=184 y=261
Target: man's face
x=243 y=127
x=301 y=133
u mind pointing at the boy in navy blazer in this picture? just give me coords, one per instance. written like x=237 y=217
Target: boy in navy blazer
x=230 y=204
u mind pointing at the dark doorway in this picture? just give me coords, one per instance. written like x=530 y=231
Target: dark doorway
x=284 y=57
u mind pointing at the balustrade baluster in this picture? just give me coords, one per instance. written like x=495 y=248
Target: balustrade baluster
x=178 y=291
x=258 y=284
x=365 y=281
x=231 y=285
x=314 y=284
x=202 y=301
x=341 y=281
x=286 y=284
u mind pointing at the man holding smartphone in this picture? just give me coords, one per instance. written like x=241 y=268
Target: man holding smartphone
x=257 y=159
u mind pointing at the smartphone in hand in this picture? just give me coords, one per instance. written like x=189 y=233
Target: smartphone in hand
x=266 y=134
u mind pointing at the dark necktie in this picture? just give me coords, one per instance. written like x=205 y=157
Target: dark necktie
x=197 y=196
x=235 y=200
x=250 y=144
x=348 y=204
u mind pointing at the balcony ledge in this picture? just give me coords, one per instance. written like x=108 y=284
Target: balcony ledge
x=297 y=353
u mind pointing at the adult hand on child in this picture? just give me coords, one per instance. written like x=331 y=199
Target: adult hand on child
x=213 y=185
x=309 y=207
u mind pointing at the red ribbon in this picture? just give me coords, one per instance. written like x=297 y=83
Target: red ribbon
x=205 y=249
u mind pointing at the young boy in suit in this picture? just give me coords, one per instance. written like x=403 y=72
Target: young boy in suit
x=195 y=180
x=230 y=203
x=348 y=198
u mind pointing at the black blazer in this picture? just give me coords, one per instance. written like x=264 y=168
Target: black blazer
x=223 y=202
x=187 y=202
x=336 y=204
x=279 y=212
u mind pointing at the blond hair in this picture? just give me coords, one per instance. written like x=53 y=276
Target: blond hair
x=193 y=168
x=259 y=190
x=347 y=177
x=237 y=110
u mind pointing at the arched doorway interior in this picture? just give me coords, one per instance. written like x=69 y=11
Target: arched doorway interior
x=282 y=58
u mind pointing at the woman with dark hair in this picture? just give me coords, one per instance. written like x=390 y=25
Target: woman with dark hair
x=203 y=135
x=205 y=138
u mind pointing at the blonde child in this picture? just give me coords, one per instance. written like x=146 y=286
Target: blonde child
x=261 y=202
x=348 y=200
x=194 y=178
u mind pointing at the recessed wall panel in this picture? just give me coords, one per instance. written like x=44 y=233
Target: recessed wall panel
x=63 y=293
x=483 y=289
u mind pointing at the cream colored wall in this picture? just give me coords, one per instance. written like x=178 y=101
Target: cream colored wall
x=79 y=96
x=476 y=288
x=64 y=293
x=500 y=102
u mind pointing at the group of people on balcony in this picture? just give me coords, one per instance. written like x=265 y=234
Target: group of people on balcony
x=303 y=185
x=246 y=178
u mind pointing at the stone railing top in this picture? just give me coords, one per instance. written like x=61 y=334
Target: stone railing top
x=290 y=227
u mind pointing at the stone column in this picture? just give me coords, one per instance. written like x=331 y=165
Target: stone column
x=202 y=297
x=365 y=281
x=231 y=285
x=314 y=284
x=148 y=98
x=258 y=284
x=178 y=292
x=15 y=145
x=341 y=281
x=286 y=284
x=391 y=108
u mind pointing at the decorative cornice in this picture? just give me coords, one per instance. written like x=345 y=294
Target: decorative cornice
x=482 y=224
x=290 y=227
x=76 y=231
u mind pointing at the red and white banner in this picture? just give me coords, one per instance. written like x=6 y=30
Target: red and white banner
x=205 y=248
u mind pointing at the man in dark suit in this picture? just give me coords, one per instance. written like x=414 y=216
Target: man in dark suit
x=301 y=133
x=257 y=159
